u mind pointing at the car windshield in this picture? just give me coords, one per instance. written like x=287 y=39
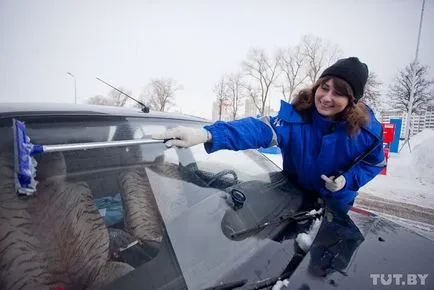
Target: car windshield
x=146 y=214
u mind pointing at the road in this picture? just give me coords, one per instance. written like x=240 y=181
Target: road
x=417 y=217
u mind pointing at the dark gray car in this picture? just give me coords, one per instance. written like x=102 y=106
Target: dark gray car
x=149 y=217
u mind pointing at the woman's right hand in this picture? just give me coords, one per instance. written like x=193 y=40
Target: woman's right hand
x=184 y=136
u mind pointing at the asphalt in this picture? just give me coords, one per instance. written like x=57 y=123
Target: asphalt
x=414 y=216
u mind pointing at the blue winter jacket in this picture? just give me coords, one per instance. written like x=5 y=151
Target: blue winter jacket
x=309 y=149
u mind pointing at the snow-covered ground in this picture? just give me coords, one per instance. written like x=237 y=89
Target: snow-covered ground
x=410 y=175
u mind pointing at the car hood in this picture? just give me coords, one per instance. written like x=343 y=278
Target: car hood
x=365 y=254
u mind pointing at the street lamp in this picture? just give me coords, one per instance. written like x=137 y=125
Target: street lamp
x=413 y=84
x=420 y=30
x=75 y=87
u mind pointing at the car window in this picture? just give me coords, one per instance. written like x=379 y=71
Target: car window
x=93 y=208
x=146 y=214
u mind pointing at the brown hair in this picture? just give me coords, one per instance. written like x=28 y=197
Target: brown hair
x=356 y=113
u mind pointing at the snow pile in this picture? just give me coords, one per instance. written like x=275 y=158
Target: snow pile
x=418 y=139
x=419 y=163
x=280 y=284
x=305 y=240
x=410 y=175
x=422 y=146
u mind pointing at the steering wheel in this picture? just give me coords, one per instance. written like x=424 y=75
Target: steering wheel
x=222 y=173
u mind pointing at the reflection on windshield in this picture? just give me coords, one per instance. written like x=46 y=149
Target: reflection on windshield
x=337 y=242
x=192 y=190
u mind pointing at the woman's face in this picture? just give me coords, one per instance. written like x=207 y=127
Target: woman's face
x=328 y=101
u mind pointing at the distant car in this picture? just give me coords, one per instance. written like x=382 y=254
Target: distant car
x=149 y=217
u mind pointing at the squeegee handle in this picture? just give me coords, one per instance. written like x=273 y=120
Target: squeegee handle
x=96 y=145
x=358 y=159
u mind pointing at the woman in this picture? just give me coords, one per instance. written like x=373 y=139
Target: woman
x=323 y=131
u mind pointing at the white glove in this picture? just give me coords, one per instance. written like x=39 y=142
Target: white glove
x=184 y=136
x=334 y=185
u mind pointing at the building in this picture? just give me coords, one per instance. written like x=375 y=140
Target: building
x=429 y=118
x=226 y=111
x=270 y=111
x=425 y=120
x=250 y=109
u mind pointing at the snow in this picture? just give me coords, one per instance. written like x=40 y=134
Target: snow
x=276 y=158
x=410 y=175
x=304 y=240
x=280 y=284
x=315 y=212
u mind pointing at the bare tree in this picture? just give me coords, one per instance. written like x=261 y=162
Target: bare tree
x=220 y=91
x=262 y=72
x=412 y=91
x=292 y=64
x=413 y=77
x=234 y=87
x=119 y=99
x=371 y=94
x=160 y=93
x=113 y=98
x=319 y=54
x=98 y=100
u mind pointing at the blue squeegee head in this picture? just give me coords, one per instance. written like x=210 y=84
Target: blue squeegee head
x=25 y=164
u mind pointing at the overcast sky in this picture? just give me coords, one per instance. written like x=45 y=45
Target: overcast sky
x=194 y=42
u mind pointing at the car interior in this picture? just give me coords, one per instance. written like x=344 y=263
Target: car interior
x=90 y=207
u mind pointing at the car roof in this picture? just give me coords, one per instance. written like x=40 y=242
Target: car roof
x=38 y=109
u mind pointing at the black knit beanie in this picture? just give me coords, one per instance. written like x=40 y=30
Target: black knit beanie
x=351 y=70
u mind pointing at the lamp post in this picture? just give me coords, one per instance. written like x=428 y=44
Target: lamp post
x=75 y=87
x=413 y=84
x=420 y=30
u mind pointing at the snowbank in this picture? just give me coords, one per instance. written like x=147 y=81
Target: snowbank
x=410 y=175
x=422 y=146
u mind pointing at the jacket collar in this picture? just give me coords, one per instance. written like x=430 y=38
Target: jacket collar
x=289 y=114
x=325 y=125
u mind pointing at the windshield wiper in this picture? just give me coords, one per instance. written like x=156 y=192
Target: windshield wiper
x=256 y=285
x=301 y=216
x=228 y=286
x=268 y=282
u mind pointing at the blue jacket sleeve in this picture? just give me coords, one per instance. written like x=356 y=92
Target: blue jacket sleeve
x=366 y=170
x=246 y=133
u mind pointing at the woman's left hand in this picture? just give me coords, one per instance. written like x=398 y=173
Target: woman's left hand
x=333 y=184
